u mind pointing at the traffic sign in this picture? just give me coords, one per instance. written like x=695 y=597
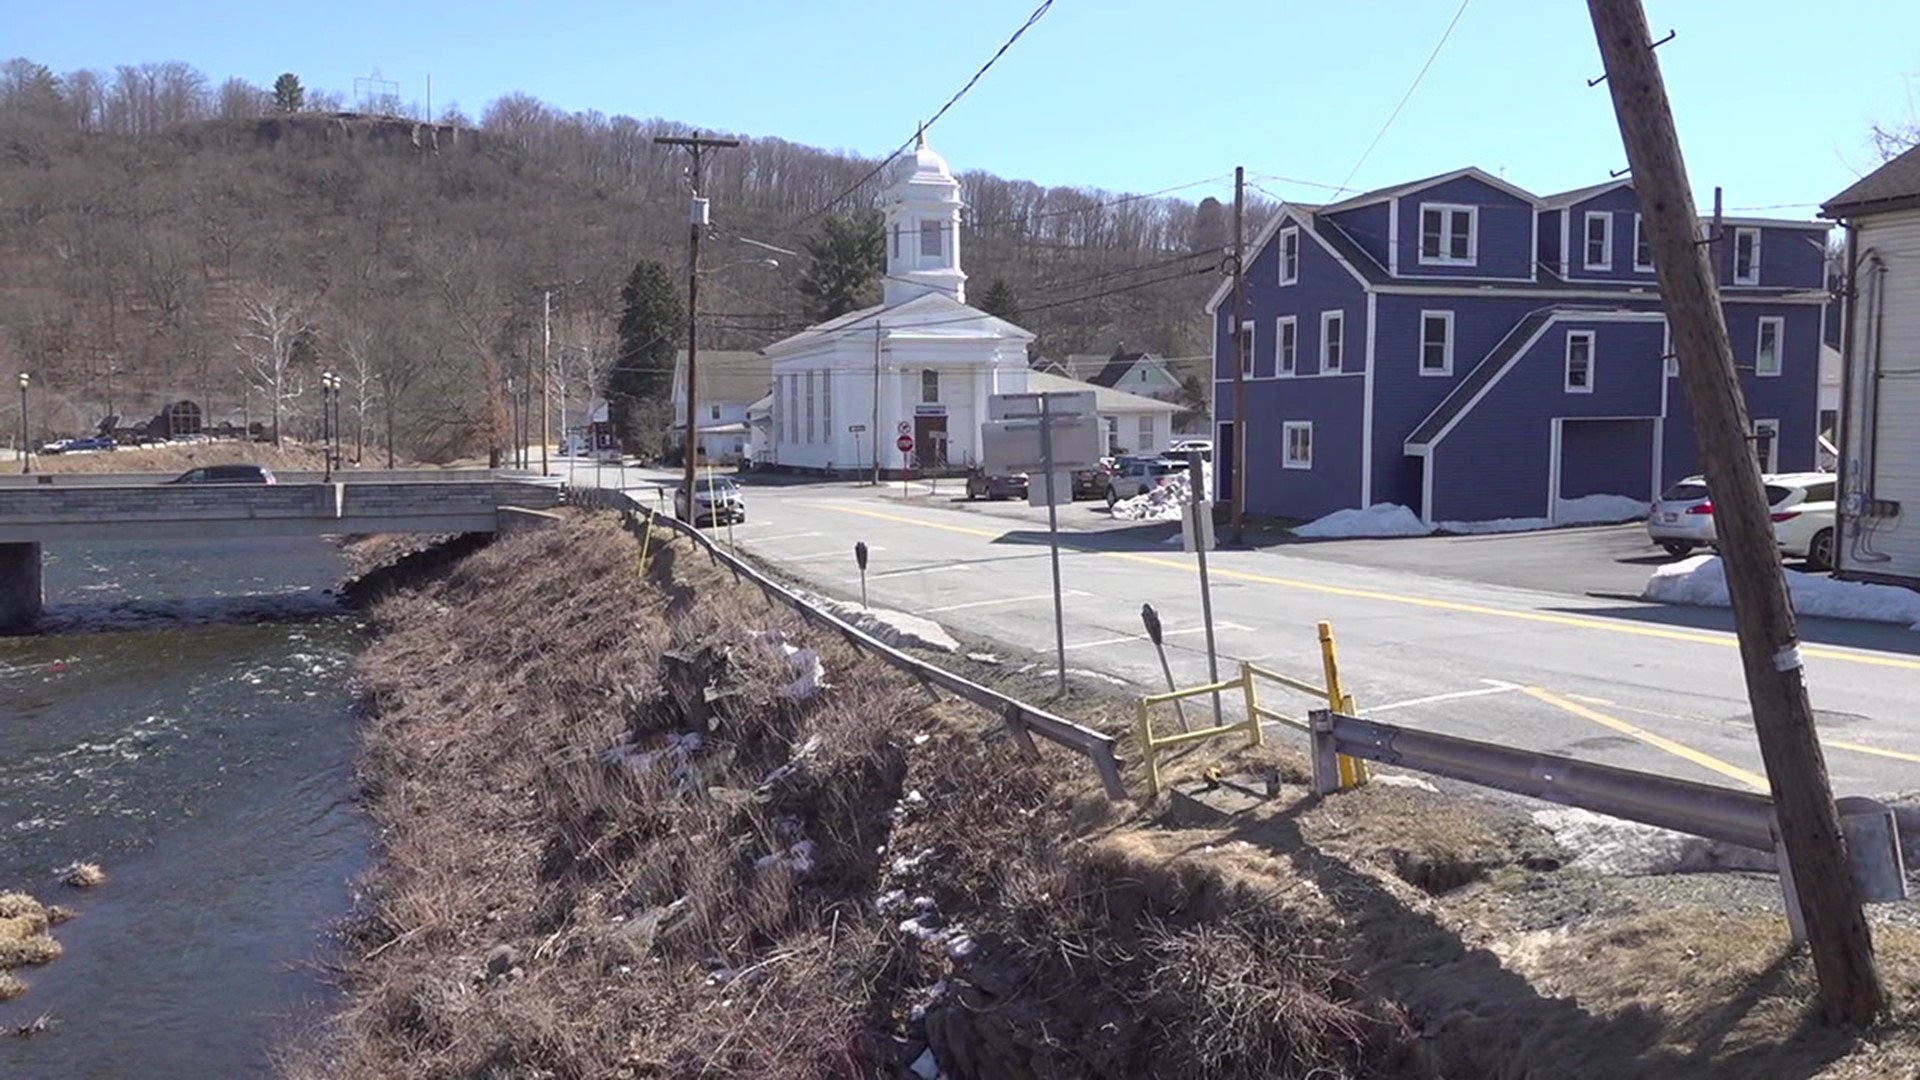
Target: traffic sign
x=905 y=443
x=906 y=427
x=856 y=428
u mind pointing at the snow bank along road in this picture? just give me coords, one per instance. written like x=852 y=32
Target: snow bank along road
x=1610 y=681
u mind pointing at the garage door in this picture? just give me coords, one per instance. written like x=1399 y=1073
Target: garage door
x=1606 y=457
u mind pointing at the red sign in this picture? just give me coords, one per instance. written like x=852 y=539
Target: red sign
x=905 y=443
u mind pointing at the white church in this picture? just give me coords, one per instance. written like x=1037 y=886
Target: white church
x=922 y=363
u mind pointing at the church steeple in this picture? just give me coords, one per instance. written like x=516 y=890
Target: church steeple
x=923 y=227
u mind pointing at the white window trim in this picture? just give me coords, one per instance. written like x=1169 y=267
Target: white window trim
x=1605 y=217
x=1779 y=346
x=1753 y=275
x=1287 y=460
x=1420 y=357
x=1289 y=235
x=1281 y=368
x=1338 y=319
x=1670 y=360
x=1247 y=350
x=1447 y=211
x=1566 y=376
x=1639 y=237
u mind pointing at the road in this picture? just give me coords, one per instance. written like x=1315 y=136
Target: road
x=1630 y=684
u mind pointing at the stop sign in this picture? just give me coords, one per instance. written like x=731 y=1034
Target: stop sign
x=905 y=443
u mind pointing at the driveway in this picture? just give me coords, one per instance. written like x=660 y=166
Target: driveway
x=1596 y=560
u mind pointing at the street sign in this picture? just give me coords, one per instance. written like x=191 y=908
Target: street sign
x=1016 y=445
x=906 y=427
x=856 y=428
x=905 y=443
x=1060 y=403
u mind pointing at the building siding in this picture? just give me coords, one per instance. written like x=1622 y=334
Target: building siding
x=1505 y=245
x=1368 y=227
x=1624 y=206
x=1881 y=446
x=1606 y=457
x=1333 y=405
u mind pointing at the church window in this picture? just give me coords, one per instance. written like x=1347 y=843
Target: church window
x=932 y=244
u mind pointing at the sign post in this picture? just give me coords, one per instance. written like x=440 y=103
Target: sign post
x=860 y=556
x=856 y=429
x=1196 y=476
x=905 y=443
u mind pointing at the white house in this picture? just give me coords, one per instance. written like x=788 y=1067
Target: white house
x=1142 y=374
x=921 y=363
x=1879 y=515
x=730 y=382
x=1132 y=424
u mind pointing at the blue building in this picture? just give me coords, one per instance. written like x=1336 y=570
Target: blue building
x=1472 y=351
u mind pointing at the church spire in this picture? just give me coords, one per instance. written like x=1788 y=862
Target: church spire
x=923 y=207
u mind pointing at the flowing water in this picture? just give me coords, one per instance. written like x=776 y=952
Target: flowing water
x=184 y=720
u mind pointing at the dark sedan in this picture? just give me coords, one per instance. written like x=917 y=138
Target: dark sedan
x=981 y=483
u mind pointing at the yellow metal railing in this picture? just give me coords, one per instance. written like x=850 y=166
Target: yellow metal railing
x=1353 y=771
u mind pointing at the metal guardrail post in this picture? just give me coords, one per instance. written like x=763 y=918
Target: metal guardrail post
x=1325 y=762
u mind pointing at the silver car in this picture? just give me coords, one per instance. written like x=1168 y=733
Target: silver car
x=719 y=501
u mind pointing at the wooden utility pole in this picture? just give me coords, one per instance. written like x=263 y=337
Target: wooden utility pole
x=696 y=224
x=1809 y=824
x=1238 y=451
x=546 y=377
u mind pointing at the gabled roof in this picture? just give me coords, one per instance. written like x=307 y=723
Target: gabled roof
x=1106 y=399
x=1383 y=194
x=1565 y=199
x=1893 y=186
x=929 y=314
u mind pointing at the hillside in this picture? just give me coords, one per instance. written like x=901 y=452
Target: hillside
x=159 y=247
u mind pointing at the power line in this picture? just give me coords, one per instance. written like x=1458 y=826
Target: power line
x=962 y=92
x=1404 y=98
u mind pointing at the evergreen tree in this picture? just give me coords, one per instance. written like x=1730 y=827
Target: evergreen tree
x=640 y=384
x=288 y=94
x=847 y=255
x=1001 y=302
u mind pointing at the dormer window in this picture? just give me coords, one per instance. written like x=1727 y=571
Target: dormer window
x=1289 y=256
x=1449 y=234
x=932 y=239
x=1599 y=241
x=1642 y=249
x=1746 y=256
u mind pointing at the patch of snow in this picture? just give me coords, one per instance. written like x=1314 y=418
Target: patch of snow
x=1701 y=581
x=895 y=628
x=925 y=1067
x=961 y=946
x=889 y=901
x=907 y=864
x=1161 y=503
x=641 y=755
x=1380 y=519
x=812 y=677
x=1608 y=845
x=1396 y=780
x=798 y=858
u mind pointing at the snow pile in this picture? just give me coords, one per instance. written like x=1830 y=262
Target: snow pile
x=1609 y=845
x=1380 y=519
x=1702 y=582
x=1586 y=510
x=895 y=628
x=811 y=677
x=645 y=751
x=1161 y=503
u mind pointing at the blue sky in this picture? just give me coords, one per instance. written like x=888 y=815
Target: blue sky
x=1773 y=97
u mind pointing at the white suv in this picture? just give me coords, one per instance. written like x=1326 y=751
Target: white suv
x=1681 y=519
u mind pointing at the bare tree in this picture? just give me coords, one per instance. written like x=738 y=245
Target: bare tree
x=273 y=324
x=241 y=100
x=356 y=346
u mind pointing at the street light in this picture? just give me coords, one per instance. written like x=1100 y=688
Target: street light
x=329 y=393
x=26 y=457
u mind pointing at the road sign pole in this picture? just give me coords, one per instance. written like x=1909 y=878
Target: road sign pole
x=1195 y=479
x=1053 y=541
x=1151 y=619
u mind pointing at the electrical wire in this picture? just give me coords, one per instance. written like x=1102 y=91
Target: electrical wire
x=1404 y=98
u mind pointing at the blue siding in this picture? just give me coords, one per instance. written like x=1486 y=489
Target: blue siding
x=1333 y=405
x=1606 y=457
x=1323 y=285
x=1490 y=471
x=1505 y=245
x=1790 y=258
x=1369 y=227
x=1624 y=206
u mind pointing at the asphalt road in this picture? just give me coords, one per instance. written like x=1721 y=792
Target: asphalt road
x=1443 y=641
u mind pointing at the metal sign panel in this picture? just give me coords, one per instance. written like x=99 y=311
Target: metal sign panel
x=1015 y=445
x=1027 y=406
x=1062 y=487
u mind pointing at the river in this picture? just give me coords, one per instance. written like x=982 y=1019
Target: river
x=184 y=720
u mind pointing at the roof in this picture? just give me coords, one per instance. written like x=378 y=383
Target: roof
x=1565 y=199
x=1893 y=186
x=1383 y=194
x=1103 y=370
x=725 y=375
x=1105 y=398
x=929 y=314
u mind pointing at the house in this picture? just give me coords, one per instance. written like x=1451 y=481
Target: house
x=922 y=363
x=1133 y=424
x=730 y=382
x=1880 y=357
x=1144 y=374
x=1468 y=349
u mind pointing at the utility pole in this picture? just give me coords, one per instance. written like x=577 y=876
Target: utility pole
x=1808 y=822
x=696 y=223
x=1238 y=451
x=546 y=375
x=876 y=401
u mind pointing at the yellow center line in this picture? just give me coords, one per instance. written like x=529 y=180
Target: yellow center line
x=1876 y=751
x=1706 y=761
x=1720 y=639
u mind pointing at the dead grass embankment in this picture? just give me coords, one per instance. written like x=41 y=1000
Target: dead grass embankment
x=617 y=840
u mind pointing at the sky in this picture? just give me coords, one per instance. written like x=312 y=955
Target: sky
x=1773 y=98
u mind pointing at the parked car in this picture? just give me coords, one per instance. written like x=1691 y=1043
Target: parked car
x=91 y=442
x=1802 y=505
x=983 y=484
x=1090 y=483
x=1181 y=447
x=1136 y=476
x=719 y=501
x=226 y=474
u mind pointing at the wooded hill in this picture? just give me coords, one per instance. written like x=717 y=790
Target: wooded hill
x=161 y=239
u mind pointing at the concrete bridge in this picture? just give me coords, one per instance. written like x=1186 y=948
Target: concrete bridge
x=53 y=507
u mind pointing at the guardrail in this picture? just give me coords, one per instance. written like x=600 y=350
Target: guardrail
x=1022 y=719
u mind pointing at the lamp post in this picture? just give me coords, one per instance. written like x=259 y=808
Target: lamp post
x=329 y=386
x=26 y=455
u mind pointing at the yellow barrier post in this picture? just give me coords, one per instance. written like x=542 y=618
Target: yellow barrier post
x=1353 y=772
x=1253 y=705
x=645 y=543
x=1147 y=753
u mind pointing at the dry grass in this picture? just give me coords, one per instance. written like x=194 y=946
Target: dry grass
x=84 y=875
x=179 y=457
x=23 y=939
